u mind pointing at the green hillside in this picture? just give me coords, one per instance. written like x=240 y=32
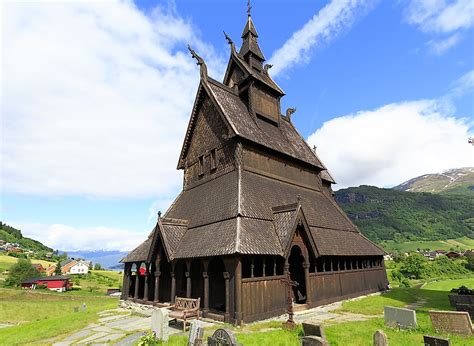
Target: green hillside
x=386 y=214
x=13 y=235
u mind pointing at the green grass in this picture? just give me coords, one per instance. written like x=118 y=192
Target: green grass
x=447 y=285
x=360 y=333
x=42 y=315
x=7 y=261
x=463 y=243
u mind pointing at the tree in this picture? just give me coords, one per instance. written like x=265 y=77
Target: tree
x=470 y=261
x=90 y=265
x=97 y=266
x=58 y=270
x=414 y=266
x=20 y=271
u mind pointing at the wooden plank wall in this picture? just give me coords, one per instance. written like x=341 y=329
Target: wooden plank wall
x=262 y=298
x=333 y=286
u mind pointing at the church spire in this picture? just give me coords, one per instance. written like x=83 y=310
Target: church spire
x=250 y=48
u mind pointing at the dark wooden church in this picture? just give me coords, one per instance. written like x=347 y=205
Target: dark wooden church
x=256 y=203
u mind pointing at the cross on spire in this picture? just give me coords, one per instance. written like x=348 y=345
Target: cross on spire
x=248 y=8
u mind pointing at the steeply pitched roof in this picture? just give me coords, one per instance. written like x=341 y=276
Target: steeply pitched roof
x=325 y=175
x=249 y=43
x=283 y=139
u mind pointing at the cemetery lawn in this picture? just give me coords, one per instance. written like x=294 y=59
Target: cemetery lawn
x=43 y=315
x=447 y=285
x=360 y=333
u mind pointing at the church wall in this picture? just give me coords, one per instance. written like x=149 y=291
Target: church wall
x=335 y=286
x=262 y=163
x=265 y=105
x=263 y=298
x=208 y=136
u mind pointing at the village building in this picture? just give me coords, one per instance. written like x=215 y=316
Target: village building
x=256 y=204
x=71 y=267
x=57 y=283
x=39 y=268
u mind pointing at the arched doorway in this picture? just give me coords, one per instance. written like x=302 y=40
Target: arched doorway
x=216 y=285
x=296 y=269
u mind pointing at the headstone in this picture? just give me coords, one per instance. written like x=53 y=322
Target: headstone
x=313 y=340
x=222 y=337
x=455 y=322
x=435 y=341
x=399 y=317
x=380 y=338
x=160 y=323
x=84 y=306
x=196 y=332
x=313 y=328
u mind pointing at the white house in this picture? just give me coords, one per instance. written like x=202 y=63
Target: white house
x=80 y=267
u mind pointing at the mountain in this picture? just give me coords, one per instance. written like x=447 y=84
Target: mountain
x=387 y=214
x=459 y=180
x=107 y=259
x=13 y=235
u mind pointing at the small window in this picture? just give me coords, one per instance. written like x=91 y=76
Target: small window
x=201 y=165
x=213 y=159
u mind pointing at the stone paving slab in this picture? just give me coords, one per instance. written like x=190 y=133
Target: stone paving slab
x=110 y=337
x=78 y=335
x=93 y=337
x=129 y=340
x=104 y=329
x=92 y=325
x=113 y=317
x=131 y=323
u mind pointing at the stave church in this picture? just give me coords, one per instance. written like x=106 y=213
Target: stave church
x=256 y=204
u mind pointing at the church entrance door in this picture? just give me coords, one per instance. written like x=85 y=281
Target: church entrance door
x=296 y=269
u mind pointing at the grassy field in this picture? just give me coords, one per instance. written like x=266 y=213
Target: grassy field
x=447 y=285
x=97 y=281
x=463 y=243
x=360 y=333
x=7 y=261
x=42 y=315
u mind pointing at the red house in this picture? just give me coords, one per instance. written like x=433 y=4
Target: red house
x=57 y=283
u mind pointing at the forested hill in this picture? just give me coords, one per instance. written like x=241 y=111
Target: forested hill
x=13 y=235
x=387 y=214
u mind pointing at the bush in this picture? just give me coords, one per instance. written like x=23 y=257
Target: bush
x=414 y=266
x=20 y=271
x=470 y=262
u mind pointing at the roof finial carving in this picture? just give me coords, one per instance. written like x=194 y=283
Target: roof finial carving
x=289 y=113
x=159 y=214
x=229 y=41
x=200 y=62
x=298 y=198
x=249 y=8
x=267 y=67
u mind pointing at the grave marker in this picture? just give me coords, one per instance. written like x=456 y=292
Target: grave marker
x=456 y=322
x=196 y=332
x=313 y=340
x=399 y=317
x=160 y=323
x=313 y=328
x=222 y=337
x=380 y=338
x=435 y=341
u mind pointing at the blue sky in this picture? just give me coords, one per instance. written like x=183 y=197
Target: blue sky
x=96 y=98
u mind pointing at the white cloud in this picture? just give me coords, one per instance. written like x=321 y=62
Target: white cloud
x=440 y=17
x=441 y=46
x=330 y=21
x=396 y=142
x=96 y=98
x=69 y=238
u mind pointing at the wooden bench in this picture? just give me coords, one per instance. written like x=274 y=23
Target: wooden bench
x=185 y=309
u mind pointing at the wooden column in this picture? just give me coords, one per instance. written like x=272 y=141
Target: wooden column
x=205 y=276
x=137 y=282
x=274 y=267
x=156 y=297
x=227 y=297
x=238 y=292
x=126 y=282
x=252 y=266
x=264 y=266
x=188 y=284
x=309 y=299
x=173 y=287
x=145 y=290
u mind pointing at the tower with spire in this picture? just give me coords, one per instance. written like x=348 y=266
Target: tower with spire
x=256 y=206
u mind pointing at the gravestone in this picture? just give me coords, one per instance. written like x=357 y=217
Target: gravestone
x=196 y=333
x=222 y=337
x=84 y=306
x=160 y=323
x=380 y=338
x=399 y=317
x=435 y=341
x=313 y=340
x=456 y=322
x=313 y=328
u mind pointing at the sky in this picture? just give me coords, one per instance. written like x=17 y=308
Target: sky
x=96 y=97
